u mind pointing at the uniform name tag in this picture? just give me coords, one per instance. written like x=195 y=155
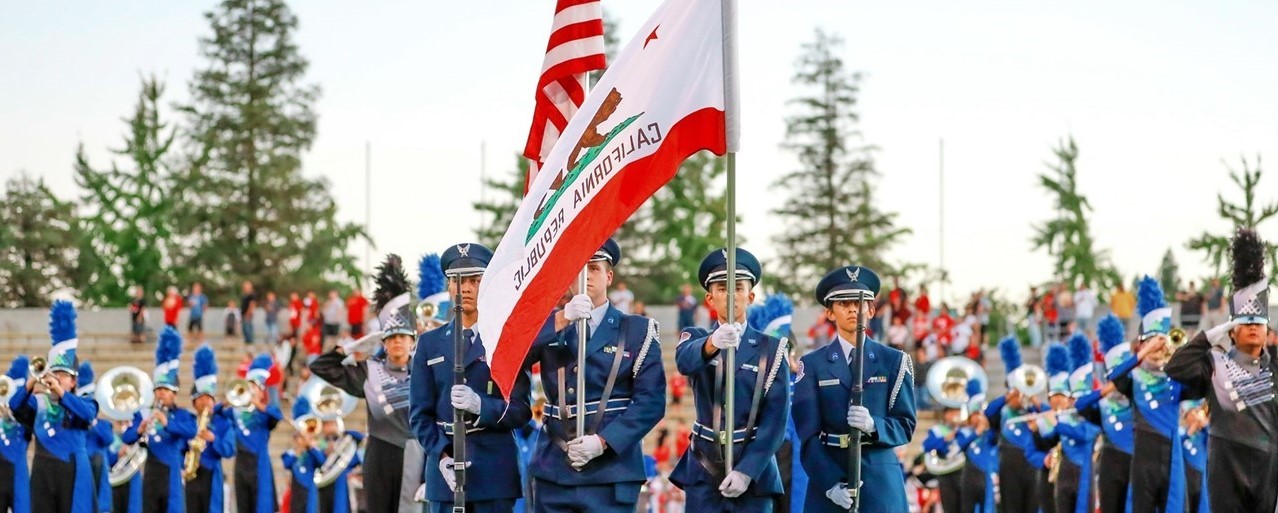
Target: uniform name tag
x=827 y=382
x=877 y=379
x=434 y=361
x=751 y=368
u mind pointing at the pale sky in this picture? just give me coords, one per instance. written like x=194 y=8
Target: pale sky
x=1157 y=94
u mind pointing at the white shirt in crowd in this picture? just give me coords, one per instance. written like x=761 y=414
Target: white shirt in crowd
x=1084 y=304
x=621 y=300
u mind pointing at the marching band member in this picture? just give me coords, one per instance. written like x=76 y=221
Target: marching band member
x=824 y=414
x=1019 y=458
x=943 y=440
x=1235 y=372
x=61 y=479
x=393 y=458
x=204 y=491
x=601 y=469
x=254 y=478
x=1111 y=411
x=1158 y=473
x=164 y=431
x=1074 y=490
x=762 y=397
x=490 y=447
x=980 y=446
x=1193 y=435
x=15 y=480
x=1043 y=427
x=335 y=498
x=127 y=496
x=303 y=460
x=97 y=441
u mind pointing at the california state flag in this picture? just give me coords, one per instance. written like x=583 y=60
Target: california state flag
x=660 y=101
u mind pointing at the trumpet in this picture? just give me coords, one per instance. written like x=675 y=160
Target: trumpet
x=37 y=367
x=239 y=393
x=1176 y=339
x=426 y=312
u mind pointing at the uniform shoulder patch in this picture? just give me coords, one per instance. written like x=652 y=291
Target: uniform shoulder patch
x=798 y=372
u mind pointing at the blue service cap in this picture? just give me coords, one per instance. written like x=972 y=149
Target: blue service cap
x=849 y=283
x=714 y=267
x=465 y=259
x=610 y=252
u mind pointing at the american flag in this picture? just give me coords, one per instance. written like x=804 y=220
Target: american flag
x=576 y=47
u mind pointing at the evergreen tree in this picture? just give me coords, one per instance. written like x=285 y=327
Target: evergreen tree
x=500 y=206
x=1169 y=275
x=830 y=216
x=248 y=211
x=1248 y=214
x=38 y=239
x=1068 y=236
x=128 y=228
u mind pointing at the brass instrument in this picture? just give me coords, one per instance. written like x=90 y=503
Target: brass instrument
x=947 y=383
x=329 y=403
x=37 y=367
x=239 y=393
x=128 y=465
x=123 y=391
x=191 y=462
x=8 y=387
x=1029 y=379
x=1176 y=339
x=426 y=312
x=1055 y=469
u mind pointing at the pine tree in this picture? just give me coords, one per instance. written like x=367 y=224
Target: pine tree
x=248 y=211
x=1169 y=275
x=499 y=208
x=38 y=239
x=830 y=216
x=1248 y=214
x=129 y=222
x=1068 y=237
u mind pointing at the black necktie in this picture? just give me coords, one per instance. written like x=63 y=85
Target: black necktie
x=469 y=334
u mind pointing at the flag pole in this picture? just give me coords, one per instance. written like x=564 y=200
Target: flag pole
x=582 y=328
x=728 y=11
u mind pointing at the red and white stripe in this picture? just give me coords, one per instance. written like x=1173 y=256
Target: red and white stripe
x=576 y=47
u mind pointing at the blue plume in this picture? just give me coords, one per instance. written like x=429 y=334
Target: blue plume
x=301 y=406
x=772 y=308
x=1111 y=332
x=430 y=277
x=85 y=374
x=169 y=346
x=18 y=369
x=261 y=361
x=1149 y=296
x=62 y=321
x=973 y=387
x=205 y=362
x=1080 y=350
x=1010 y=349
x=1057 y=359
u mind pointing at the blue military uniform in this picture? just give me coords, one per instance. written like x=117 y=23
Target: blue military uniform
x=761 y=407
x=15 y=478
x=162 y=484
x=623 y=362
x=490 y=447
x=204 y=491
x=254 y=477
x=824 y=391
x=61 y=478
x=1113 y=413
x=126 y=497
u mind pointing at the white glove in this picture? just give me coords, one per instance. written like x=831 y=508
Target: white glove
x=465 y=399
x=583 y=449
x=1219 y=336
x=578 y=308
x=450 y=475
x=734 y=485
x=859 y=417
x=840 y=495
x=420 y=494
x=727 y=335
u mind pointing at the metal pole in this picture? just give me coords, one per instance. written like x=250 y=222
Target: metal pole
x=858 y=387
x=459 y=416
x=368 y=205
x=941 y=192
x=581 y=363
x=730 y=359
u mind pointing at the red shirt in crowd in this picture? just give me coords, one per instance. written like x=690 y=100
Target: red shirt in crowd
x=313 y=340
x=1049 y=307
x=923 y=305
x=682 y=440
x=356 y=305
x=172 y=305
x=942 y=324
x=295 y=313
x=677 y=384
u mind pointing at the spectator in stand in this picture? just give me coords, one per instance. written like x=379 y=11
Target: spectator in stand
x=1085 y=304
x=983 y=308
x=622 y=298
x=1192 y=308
x=639 y=309
x=821 y=332
x=898 y=335
x=311 y=316
x=1064 y=310
x=687 y=305
x=172 y=305
x=271 y=309
x=356 y=312
x=137 y=315
x=922 y=304
x=232 y=316
x=333 y=314
x=661 y=451
x=1034 y=317
x=899 y=309
x=313 y=343
x=897 y=295
x=876 y=322
x=196 y=302
x=275 y=381
x=295 y=314
x=677 y=386
x=943 y=325
x=1217 y=313
x=683 y=438
x=1050 y=315
x=1123 y=304
x=923 y=362
x=248 y=306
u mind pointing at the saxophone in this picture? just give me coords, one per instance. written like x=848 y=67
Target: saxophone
x=191 y=462
x=1055 y=469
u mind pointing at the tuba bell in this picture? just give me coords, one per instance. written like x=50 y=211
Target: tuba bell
x=8 y=387
x=1028 y=379
x=239 y=393
x=128 y=465
x=123 y=391
x=329 y=403
x=426 y=312
x=947 y=383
